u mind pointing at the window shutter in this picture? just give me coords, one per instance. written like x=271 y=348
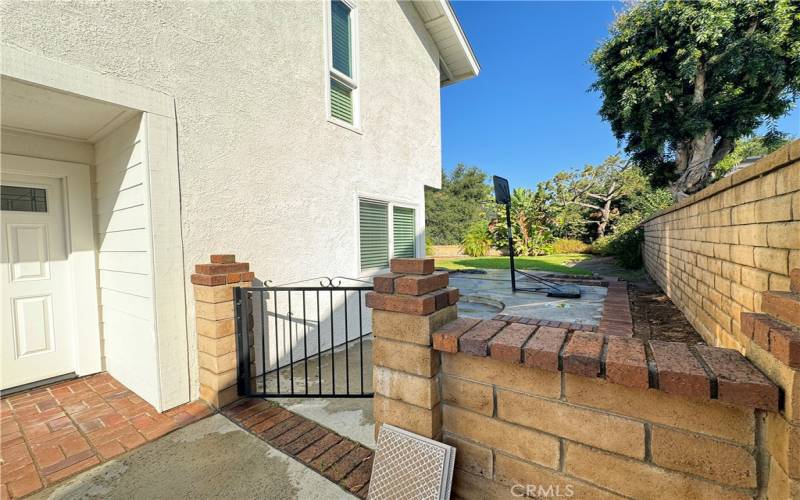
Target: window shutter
x=374 y=230
x=340 y=32
x=341 y=102
x=405 y=232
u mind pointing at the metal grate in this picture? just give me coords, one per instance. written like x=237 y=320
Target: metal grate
x=408 y=466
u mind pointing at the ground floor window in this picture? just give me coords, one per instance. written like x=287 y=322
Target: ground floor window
x=386 y=230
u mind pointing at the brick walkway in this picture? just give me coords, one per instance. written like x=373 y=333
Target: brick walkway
x=341 y=460
x=54 y=432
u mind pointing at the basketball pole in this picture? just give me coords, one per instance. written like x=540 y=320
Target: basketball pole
x=511 y=248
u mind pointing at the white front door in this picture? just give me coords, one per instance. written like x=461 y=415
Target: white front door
x=37 y=315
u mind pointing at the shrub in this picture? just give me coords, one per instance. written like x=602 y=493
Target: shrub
x=478 y=241
x=601 y=246
x=624 y=243
x=627 y=247
x=571 y=246
x=547 y=249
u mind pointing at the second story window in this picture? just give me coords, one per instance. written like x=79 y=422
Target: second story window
x=343 y=76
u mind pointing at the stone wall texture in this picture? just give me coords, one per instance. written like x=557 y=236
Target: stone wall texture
x=561 y=430
x=517 y=427
x=716 y=251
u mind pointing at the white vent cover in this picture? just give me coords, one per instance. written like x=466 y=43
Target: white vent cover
x=408 y=466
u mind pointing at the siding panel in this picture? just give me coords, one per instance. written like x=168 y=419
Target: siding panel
x=121 y=200
x=115 y=181
x=134 y=240
x=125 y=259
x=129 y=262
x=121 y=220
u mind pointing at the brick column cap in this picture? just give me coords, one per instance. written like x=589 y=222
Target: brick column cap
x=222 y=270
x=411 y=266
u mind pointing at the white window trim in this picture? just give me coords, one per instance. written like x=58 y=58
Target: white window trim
x=390 y=203
x=331 y=72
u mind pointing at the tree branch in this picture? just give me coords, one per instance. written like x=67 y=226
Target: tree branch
x=597 y=196
x=586 y=205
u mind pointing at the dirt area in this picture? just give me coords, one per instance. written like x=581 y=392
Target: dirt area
x=655 y=317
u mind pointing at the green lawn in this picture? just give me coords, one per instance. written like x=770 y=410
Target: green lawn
x=552 y=263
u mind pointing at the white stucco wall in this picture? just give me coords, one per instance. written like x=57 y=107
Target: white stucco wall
x=263 y=174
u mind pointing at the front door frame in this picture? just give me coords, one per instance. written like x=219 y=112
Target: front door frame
x=176 y=344
x=79 y=231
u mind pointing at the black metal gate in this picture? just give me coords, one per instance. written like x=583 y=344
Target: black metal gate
x=304 y=341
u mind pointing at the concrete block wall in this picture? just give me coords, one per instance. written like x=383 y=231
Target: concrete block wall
x=729 y=258
x=716 y=251
x=532 y=414
x=591 y=415
x=515 y=427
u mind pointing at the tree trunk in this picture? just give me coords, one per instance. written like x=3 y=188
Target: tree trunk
x=522 y=220
x=682 y=156
x=698 y=167
x=696 y=175
x=604 y=218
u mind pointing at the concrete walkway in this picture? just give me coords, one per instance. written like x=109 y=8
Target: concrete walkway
x=484 y=295
x=212 y=458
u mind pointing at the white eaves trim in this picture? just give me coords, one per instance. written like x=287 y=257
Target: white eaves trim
x=457 y=60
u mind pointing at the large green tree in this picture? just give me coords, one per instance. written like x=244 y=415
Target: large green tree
x=600 y=189
x=461 y=201
x=681 y=81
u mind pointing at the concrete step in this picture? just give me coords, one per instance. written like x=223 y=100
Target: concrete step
x=784 y=306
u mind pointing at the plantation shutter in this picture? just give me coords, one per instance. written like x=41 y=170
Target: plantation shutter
x=340 y=31
x=341 y=102
x=405 y=231
x=374 y=230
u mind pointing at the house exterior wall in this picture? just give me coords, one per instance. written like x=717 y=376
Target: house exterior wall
x=262 y=170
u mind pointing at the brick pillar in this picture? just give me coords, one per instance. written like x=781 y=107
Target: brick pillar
x=409 y=304
x=216 y=337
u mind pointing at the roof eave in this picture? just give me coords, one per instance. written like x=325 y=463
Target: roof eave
x=449 y=29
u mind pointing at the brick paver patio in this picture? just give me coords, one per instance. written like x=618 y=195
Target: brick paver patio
x=339 y=459
x=51 y=433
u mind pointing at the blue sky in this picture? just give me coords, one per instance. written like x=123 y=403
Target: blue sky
x=529 y=114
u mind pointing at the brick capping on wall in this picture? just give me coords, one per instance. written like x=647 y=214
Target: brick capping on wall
x=700 y=372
